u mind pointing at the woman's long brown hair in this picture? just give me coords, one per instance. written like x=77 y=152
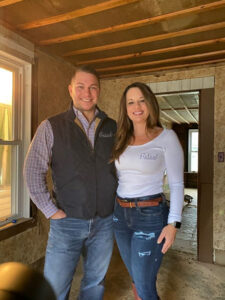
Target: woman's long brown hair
x=125 y=128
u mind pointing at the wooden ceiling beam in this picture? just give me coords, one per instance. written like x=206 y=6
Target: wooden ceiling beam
x=149 y=39
x=173 y=109
x=169 y=117
x=164 y=119
x=188 y=110
x=143 y=71
x=167 y=60
x=152 y=52
x=8 y=2
x=136 y=24
x=181 y=108
x=89 y=10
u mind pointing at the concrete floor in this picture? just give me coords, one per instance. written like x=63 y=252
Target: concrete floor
x=181 y=276
x=186 y=238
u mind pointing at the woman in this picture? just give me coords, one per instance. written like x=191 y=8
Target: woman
x=144 y=228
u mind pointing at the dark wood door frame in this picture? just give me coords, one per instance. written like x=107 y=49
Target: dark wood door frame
x=205 y=176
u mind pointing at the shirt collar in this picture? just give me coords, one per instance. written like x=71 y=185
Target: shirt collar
x=79 y=114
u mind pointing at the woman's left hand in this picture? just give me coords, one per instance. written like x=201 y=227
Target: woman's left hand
x=168 y=233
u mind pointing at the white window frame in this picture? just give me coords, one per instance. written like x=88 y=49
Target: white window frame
x=22 y=131
x=190 y=131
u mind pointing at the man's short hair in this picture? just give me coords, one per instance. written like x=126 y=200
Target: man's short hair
x=88 y=69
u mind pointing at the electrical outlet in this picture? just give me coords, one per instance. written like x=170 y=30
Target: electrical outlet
x=220 y=156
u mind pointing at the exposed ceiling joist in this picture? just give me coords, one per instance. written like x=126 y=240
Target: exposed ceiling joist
x=176 y=112
x=164 y=119
x=88 y=10
x=169 y=117
x=173 y=104
x=157 y=62
x=148 y=39
x=113 y=31
x=188 y=110
x=163 y=68
x=8 y=2
x=180 y=108
x=139 y=23
x=153 y=52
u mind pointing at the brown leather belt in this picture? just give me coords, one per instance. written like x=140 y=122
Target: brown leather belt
x=150 y=202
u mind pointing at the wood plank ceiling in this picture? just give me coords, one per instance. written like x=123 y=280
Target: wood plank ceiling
x=123 y=37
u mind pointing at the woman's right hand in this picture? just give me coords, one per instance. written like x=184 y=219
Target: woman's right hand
x=60 y=214
x=168 y=233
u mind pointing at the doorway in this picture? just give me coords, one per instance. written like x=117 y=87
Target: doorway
x=180 y=112
x=205 y=89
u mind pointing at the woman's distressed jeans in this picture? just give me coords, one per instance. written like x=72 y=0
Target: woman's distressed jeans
x=137 y=230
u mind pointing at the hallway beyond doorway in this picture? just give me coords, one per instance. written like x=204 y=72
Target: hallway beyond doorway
x=186 y=239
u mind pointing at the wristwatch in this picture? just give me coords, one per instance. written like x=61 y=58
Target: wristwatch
x=175 y=224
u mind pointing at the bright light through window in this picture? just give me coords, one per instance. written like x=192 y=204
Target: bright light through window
x=6 y=157
x=193 y=150
x=194 y=141
x=15 y=132
x=6 y=81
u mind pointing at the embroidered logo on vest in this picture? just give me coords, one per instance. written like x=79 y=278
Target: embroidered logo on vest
x=106 y=134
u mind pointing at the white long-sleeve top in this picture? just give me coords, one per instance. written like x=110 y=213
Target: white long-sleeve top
x=141 y=170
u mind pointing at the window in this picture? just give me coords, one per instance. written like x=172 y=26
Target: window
x=15 y=127
x=193 y=150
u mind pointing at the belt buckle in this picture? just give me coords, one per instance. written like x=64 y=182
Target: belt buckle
x=123 y=200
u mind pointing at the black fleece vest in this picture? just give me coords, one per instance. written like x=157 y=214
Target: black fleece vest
x=84 y=180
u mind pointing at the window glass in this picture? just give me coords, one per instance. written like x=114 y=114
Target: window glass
x=12 y=115
x=6 y=92
x=15 y=127
x=193 y=151
x=6 y=102
x=194 y=162
x=5 y=182
x=194 y=141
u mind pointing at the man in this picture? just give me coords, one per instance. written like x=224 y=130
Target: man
x=77 y=145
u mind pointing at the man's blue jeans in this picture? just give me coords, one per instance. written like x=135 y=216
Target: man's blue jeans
x=136 y=231
x=68 y=239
